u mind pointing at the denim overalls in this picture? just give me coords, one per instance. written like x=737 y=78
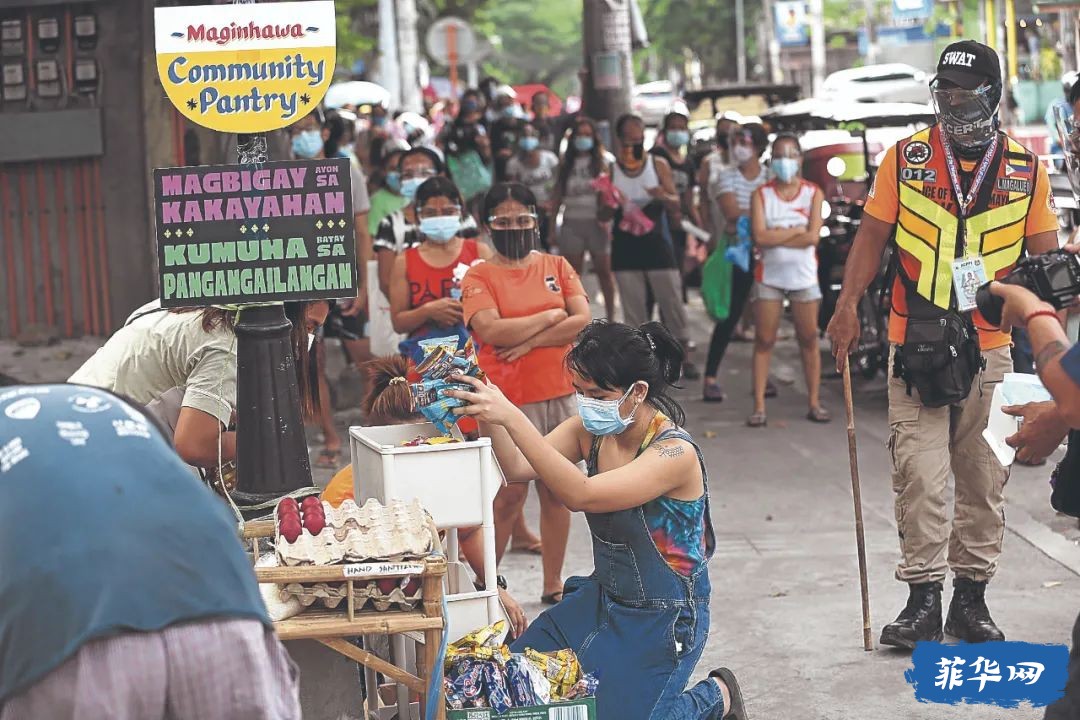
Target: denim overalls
x=635 y=622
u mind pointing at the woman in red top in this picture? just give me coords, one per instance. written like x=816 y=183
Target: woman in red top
x=425 y=297
x=526 y=308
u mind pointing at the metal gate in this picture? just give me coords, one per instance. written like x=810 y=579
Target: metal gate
x=53 y=249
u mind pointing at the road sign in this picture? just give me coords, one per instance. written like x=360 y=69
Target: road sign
x=451 y=35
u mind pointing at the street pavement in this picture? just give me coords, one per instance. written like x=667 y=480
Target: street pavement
x=786 y=605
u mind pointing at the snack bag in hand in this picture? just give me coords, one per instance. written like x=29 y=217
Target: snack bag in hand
x=440 y=362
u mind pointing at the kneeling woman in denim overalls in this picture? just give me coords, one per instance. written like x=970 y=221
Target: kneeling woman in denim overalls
x=641 y=619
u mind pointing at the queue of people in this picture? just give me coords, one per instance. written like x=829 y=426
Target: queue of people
x=481 y=233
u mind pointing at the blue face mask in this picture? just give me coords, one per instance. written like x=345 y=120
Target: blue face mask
x=785 y=169
x=528 y=144
x=440 y=229
x=307 y=144
x=409 y=187
x=583 y=144
x=393 y=181
x=677 y=138
x=602 y=417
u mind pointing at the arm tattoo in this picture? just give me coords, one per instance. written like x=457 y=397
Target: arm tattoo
x=1048 y=354
x=670 y=451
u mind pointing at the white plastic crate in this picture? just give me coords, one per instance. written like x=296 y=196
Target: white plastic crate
x=468 y=609
x=454 y=482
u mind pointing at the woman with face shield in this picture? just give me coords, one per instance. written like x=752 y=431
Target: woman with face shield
x=525 y=308
x=642 y=615
x=425 y=297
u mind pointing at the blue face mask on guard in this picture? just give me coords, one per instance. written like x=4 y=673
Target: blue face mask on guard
x=440 y=229
x=602 y=417
x=307 y=144
x=393 y=181
x=583 y=143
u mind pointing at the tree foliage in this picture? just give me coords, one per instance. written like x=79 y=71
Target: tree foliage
x=707 y=29
x=357 y=37
x=536 y=42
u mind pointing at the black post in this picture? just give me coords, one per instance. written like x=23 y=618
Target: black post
x=271 y=448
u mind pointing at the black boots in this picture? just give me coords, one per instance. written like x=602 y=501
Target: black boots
x=969 y=619
x=919 y=620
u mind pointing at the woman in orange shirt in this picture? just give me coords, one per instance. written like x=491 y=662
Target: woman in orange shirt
x=525 y=308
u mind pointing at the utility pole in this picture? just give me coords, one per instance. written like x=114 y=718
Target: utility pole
x=610 y=78
x=389 y=70
x=868 y=28
x=776 y=72
x=408 y=55
x=740 y=39
x=817 y=44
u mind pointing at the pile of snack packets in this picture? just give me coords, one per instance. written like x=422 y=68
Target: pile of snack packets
x=437 y=440
x=481 y=672
x=442 y=359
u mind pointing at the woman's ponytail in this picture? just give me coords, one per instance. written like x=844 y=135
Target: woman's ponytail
x=388 y=400
x=669 y=351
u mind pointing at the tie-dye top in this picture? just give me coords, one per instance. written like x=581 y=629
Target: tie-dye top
x=677 y=526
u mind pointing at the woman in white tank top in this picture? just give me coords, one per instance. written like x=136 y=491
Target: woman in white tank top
x=785 y=216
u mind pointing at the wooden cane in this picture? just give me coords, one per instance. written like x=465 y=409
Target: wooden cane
x=856 y=493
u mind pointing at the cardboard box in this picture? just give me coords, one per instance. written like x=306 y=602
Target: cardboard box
x=584 y=709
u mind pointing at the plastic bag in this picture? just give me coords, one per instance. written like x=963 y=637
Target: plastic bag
x=470 y=173
x=634 y=221
x=716 y=284
x=742 y=251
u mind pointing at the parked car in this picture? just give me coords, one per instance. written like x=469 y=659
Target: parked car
x=653 y=100
x=889 y=82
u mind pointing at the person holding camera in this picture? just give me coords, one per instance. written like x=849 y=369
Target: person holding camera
x=1023 y=303
x=964 y=202
x=1031 y=303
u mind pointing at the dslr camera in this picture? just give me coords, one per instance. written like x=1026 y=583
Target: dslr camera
x=1054 y=277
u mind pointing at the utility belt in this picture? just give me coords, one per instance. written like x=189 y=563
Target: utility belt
x=940 y=357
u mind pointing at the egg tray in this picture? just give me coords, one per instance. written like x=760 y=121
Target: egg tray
x=330 y=595
x=398 y=531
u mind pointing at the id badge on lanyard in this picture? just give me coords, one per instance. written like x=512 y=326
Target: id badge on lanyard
x=969 y=270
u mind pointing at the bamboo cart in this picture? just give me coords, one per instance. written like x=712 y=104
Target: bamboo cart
x=332 y=627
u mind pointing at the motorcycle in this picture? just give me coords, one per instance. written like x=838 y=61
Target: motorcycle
x=871 y=354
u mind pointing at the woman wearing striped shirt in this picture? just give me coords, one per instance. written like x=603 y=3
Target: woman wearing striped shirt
x=737 y=185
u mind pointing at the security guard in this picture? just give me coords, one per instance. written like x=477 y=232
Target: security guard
x=964 y=201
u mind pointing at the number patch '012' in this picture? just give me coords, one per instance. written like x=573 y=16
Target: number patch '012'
x=918 y=174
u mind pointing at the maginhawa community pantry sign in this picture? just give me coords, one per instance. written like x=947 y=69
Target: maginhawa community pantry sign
x=246 y=68
x=232 y=234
